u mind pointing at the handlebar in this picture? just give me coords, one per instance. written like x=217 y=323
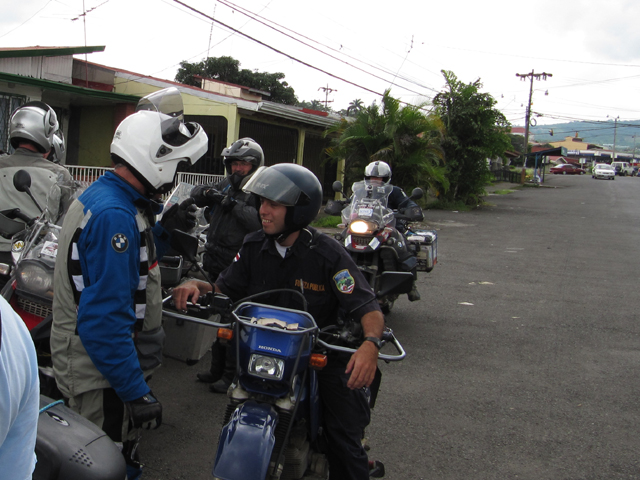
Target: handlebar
x=197 y=311
x=388 y=338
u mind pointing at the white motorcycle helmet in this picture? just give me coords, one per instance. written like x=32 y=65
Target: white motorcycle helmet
x=36 y=122
x=155 y=140
x=378 y=169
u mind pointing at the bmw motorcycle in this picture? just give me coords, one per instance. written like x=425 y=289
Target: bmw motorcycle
x=68 y=447
x=273 y=421
x=378 y=237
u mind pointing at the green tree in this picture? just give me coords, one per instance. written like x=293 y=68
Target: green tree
x=313 y=105
x=404 y=137
x=227 y=69
x=355 y=107
x=475 y=132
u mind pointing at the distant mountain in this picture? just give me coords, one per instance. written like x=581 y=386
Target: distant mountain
x=600 y=133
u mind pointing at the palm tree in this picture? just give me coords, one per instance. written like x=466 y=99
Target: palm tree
x=355 y=106
x=404 y=137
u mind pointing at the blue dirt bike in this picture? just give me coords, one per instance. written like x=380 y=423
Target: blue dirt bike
x=272 y=424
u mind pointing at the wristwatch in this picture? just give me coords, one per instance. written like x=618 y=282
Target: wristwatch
x=375 y=340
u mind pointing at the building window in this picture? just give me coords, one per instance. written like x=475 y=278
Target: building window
x=8 y=103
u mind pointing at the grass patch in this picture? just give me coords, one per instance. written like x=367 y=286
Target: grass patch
x=503 y=192
x=326 y=222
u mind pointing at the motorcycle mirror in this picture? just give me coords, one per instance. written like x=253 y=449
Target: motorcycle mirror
x=22 y=181
x=417 y=193
x=337 y=186
x=395 y=282
x=185 y=244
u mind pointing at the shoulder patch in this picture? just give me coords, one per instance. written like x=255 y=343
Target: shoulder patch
x=120 y=243
x=344 y=281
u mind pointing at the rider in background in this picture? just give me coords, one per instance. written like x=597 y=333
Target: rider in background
x=380 y=172
x=32 y=130
x=232 y=214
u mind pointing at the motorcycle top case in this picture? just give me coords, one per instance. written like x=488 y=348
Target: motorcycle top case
x=426 y=245
x=70 y=446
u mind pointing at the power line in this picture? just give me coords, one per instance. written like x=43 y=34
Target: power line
x=276 y=50
x=324 y=52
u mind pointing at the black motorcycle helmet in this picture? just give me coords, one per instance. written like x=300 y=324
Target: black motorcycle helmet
x=291 y=185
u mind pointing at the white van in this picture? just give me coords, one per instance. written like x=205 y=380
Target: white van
x=622 y=168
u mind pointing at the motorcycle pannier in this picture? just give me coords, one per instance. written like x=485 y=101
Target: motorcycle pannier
x=425 y=243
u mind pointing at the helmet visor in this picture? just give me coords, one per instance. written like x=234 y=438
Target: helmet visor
x=167 y=101
x=273 y=185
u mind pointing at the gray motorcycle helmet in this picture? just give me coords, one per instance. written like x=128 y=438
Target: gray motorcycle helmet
x=246 y=149
x=35 y=122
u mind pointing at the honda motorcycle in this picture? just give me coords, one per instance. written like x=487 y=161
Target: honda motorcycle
x=273 y=421
x=68 y=447
x=378 y=238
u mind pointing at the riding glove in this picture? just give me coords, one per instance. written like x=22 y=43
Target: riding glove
x=145 y=412
x=181 y=217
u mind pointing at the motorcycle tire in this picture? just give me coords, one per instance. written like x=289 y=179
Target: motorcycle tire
x=387 y=306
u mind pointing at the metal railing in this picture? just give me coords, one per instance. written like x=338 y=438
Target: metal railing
x=88 y=175
x=507 y=175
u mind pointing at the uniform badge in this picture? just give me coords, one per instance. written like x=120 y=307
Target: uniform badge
x=344 y=281
x=120 y=243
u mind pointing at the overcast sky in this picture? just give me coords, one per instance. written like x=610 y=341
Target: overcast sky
x=592 y=47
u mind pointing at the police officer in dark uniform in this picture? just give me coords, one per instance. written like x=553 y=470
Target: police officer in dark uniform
x=287 y=253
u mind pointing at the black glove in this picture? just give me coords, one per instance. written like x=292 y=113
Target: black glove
x=214 y=196
x=228 y=203
x=145 y=412
x=180 y=217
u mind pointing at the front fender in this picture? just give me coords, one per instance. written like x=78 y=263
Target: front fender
x=246 y=443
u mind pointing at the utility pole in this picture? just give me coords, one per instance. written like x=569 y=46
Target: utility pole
x=615 y=134
x=531 y=76
x=327 y=91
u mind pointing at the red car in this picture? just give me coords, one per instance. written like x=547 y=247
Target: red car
x=567 y=169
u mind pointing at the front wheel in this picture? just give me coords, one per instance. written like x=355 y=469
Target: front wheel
x=387 y=306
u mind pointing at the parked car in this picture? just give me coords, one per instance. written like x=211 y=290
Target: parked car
x=602 y=170
x=622 y=168
x=567 y=169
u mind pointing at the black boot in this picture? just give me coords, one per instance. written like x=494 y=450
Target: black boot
x=229 y=372
x=218 y=355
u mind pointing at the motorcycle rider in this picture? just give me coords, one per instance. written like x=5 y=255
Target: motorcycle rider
x=380 y=172
x=233 y=213
x=32 y=130
x=107 y=336
x=287 y=253
x=19 y=396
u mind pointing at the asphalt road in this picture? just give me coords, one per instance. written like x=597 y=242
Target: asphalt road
x=523 y=354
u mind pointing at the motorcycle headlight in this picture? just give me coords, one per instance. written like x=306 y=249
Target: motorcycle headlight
x=360 y=226
x=36 y=278
x=266 y=367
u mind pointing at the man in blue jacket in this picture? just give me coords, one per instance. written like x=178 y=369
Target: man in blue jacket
x=107 y=337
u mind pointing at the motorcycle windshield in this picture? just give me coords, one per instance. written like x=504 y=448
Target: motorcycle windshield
x=369 y=202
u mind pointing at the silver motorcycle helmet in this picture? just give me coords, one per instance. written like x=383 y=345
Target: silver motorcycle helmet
x=378 y=169
x=35 y=122
x=155 y=140
x=58 y=152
